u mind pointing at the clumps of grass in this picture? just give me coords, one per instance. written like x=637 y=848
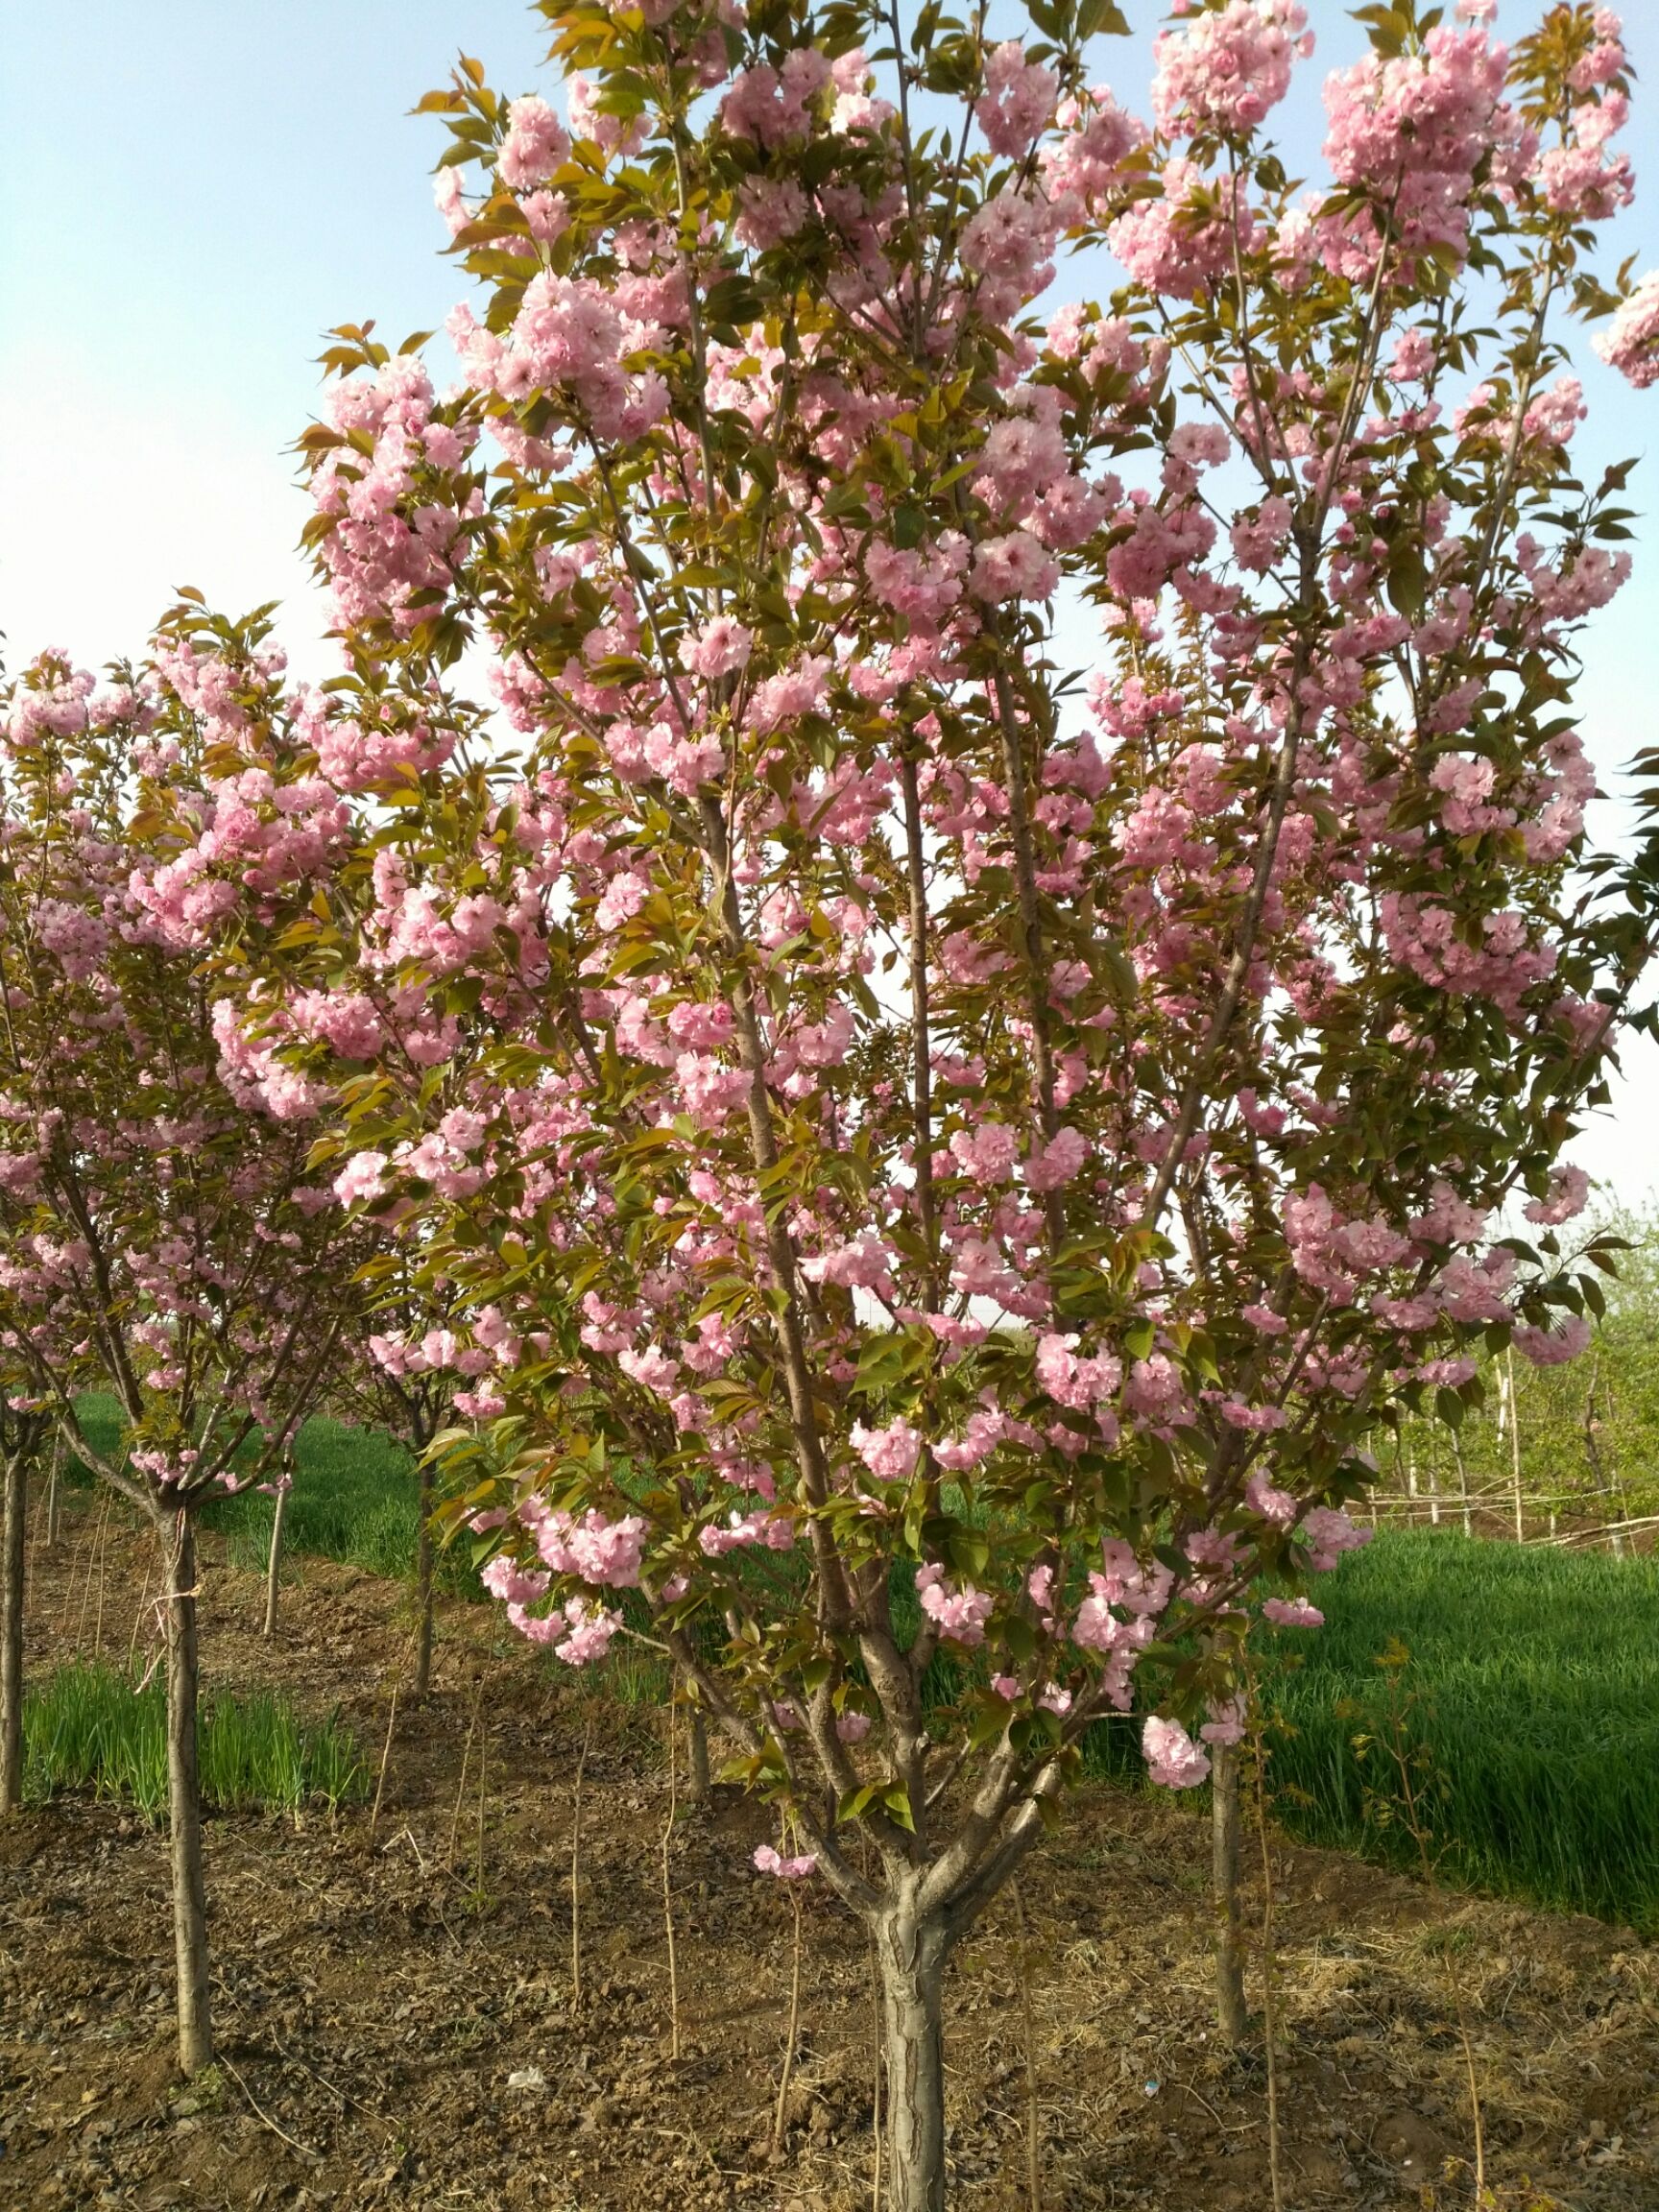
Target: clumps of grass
x=88 y=1727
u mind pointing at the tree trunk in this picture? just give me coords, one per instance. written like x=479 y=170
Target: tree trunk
x=1464 y=1485
x=1509 y=1388
x=13 y=1553
x=423 y=1586
x=697 y=1787
x=1230 y=2010
x=185 y=1795
x=274 y=1565
x=910 y=1955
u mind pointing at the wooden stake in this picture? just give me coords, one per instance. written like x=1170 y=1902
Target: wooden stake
x=385 y=1755
x=794 y=2025
x=483 y=1770
x=1033 y=2106
x=1269 y=2008
x=274 y=1564
x=69 y=1589
x=466 y=1758
x=94 y=1552
x=1514 y=1442
x=103 y=1576
x=668 y=1903
x=576 y=1876
x=1463 y=1484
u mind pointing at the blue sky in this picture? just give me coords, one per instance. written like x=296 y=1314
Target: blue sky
x=211 y=186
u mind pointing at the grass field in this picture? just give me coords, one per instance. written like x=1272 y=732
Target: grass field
x=1530 y=1700
x=1528 y=1703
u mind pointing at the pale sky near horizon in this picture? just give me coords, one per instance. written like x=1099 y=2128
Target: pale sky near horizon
x=197 y=191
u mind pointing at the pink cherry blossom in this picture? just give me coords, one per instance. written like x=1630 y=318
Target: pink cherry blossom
x=1291 y=1613
x=1174 y=1761
x=1630 y=341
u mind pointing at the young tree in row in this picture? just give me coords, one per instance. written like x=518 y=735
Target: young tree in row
x=403 y=1373
x=23 y=1431
x=979 y=1037
x=160 y=1238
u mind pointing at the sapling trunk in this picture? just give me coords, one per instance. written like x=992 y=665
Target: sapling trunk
x=1230 y=2011
x=274 y=1564
x=875 y=2086
x=424 y=1563
x=13 y=1555
x=178 y=1537
x=912 y=1949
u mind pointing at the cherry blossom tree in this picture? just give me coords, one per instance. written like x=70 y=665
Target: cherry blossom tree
x=971 y=1016
x=159 y=1237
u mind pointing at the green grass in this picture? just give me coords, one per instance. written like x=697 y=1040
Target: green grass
x=1533 y=1706
x=355 y=1499
x=87 y=1727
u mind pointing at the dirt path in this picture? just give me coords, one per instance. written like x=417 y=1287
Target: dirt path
x=399 y=2030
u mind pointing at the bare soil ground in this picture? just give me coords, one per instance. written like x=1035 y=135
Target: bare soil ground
x=398 y=2025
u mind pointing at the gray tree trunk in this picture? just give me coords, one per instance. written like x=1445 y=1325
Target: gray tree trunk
x=1230 y=2011
x=911 y=1956
x=13 y=1555
x=185 y=1795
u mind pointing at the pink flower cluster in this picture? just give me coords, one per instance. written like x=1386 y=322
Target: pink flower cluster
x=768 y=1860
x=1228 y=67
x=1412 y=130
x=1174 y=1761
x=601 y=1552
x=1017 y=101
x=958 y=1615
x=1630 y=341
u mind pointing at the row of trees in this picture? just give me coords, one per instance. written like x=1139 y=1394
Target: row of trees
x=851 y=1103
